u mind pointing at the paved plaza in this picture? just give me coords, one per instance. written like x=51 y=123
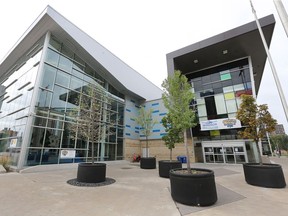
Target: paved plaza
x=43 y=191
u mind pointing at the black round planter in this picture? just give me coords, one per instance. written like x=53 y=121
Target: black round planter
x=148 y=163
x=91 y=173
x=197 y=189
x=266 y=175
x=165 y=166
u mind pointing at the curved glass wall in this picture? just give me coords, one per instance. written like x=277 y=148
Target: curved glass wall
x=64 y=77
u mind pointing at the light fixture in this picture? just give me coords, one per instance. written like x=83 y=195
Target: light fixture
x=225 y=52
x=196 y=61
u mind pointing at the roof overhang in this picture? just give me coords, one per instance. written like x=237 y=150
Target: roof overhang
x=238 y=43
x=116 y=72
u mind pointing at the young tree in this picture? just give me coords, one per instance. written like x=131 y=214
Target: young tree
x=279 y=141
x=92 y=116
x=174 y=135
x=146 y=123
x=256 y=119
x=177 y=97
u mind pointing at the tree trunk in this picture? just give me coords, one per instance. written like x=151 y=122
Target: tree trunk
x=92 y=153
x=147 y=146
x=187 y=152
x=260 y=156
x=171 y=154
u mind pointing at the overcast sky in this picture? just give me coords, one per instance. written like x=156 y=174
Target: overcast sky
x=142 y=32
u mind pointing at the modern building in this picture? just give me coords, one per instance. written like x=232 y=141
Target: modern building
x=54 y=62
x=221 y=69
x=279 y=130
x=51 y=64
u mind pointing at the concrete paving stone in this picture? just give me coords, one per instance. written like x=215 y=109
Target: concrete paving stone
x=42 y=191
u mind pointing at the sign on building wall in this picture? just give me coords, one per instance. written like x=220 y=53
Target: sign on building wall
x=219 y=124
x=67 y=154
x=13 y=143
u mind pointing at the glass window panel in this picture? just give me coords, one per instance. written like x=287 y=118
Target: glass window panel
x=50 y=156
x=198 y=85
x=248 y=85
x=52 y=57
x=204 y=118
x=238 y=87
x=216 y=85
x=238 y=102
x=37 y=137
x=220 y=104
x=206 y=79
x=68 y=140
x=77 y=74
x=54 y=123
x=228 y=89
x=65 y=64
x=229 y=96
x=44 y=98
x=215 y=77
x=54 y=43
x=40 y=121
x=247 y=74
x=202 y=110
x=218 y=90
x=76 y=84
x=231 y=106
x=48 y=78
x=52 y=138
x=232 y=115
x=226 y=83
x=33 y=157
x=62 y=78
x=59 y=99
x=73 y=99
x=81 y=144
x=200 y=101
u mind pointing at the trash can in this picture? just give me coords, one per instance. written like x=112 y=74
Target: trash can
x=182 y=159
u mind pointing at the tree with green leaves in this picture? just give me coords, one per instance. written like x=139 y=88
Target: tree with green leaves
x=256 y=119
x=92 y=117
x=146 y=124
x=279 y=141
x=177 y=97
x=173 y=134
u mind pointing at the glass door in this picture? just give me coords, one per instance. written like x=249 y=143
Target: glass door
x=231 y=153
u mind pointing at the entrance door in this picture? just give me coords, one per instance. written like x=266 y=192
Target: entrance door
x=225 y=152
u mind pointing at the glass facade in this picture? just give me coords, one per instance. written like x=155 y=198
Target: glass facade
x=217 y=95
x=63 y=77
x=15 y=99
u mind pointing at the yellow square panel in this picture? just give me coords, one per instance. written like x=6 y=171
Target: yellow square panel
x=229 y=96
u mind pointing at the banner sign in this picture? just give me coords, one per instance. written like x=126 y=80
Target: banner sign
x=219 y=124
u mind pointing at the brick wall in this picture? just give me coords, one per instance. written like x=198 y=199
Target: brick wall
x=157 y=148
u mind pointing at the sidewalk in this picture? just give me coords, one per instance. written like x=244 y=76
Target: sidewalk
x=43 y=191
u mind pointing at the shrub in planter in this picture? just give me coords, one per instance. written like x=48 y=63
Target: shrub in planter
x=146 y=123
x=258 y=121
x=188 y=186
x=94 y=105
